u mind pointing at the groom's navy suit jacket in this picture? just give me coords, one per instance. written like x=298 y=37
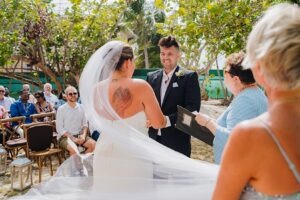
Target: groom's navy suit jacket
x=182 y=90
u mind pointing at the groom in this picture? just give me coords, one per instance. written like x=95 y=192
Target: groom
x=173 y=85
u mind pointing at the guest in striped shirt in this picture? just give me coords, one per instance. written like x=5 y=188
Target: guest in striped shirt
x=249 y=102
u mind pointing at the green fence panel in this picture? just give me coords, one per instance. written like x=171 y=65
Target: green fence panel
x=213 y=87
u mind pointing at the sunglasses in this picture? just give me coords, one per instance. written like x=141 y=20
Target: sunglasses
x=228 y=72
x=72 y=94
x=37 y=97
x=3 y=91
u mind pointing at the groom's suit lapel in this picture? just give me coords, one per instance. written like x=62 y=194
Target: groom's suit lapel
x=170 y=86
x=157 y=80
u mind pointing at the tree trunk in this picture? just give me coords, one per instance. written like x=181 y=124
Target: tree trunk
x=146 y=58
x=52 y=75
x=221 y=82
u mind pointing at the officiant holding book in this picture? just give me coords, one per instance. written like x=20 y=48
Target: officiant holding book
x=249 y=102
x=173 y=85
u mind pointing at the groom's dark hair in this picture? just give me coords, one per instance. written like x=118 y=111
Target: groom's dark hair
x=127 y=53
x=168 y=42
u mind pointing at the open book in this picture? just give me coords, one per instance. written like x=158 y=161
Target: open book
x=186 y=122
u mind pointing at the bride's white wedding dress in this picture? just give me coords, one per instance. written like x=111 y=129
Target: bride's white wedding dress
x=113 y=161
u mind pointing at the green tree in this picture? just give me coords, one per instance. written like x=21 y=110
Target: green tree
x=139 y=28
x=214 y=27
x=57 y=44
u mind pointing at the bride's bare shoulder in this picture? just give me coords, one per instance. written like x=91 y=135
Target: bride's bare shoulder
x=141 y=84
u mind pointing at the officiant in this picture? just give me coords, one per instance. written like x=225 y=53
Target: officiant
x=249 y=102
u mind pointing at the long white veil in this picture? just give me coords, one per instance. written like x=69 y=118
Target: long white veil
x=126 y=163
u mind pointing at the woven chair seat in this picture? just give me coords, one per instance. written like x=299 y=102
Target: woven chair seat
x=16 y=142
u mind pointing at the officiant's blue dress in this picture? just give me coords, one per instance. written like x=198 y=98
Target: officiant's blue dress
x=249 y=103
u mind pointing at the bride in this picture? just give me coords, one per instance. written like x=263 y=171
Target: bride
x=127 y=164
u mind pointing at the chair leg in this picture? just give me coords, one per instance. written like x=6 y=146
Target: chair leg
x=40 y=164
x=51 y=165
x=59 y=158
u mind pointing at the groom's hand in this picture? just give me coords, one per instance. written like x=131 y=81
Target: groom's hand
x=148 y=124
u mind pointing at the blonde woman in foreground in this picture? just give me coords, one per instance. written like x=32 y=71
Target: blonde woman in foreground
x=262 y=157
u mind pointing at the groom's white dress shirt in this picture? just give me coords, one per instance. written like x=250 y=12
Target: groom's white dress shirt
x=166 y=79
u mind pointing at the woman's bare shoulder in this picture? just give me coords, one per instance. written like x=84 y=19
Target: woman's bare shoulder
x=141 y=84
x=250 y=131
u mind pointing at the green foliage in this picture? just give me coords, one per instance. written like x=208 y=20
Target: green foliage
x=222 y=26
x=139 y=25
x=36 y=32
x=61 y=43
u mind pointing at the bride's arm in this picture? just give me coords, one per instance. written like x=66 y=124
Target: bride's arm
x=152 y=109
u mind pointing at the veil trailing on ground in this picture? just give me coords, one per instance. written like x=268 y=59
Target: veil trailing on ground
x=127 y=164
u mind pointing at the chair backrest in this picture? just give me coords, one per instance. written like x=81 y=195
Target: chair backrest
x=49 y=116
x=39 y=136
x=7 y=129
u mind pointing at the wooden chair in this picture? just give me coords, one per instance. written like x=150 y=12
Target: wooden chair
x=50 y=118
x=39 y=137
x=11 y=140
x=49 y=115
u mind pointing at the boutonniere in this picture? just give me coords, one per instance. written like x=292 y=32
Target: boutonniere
x=180 y=73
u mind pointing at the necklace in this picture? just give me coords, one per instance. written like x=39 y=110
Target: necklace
x=247 y=86
x=118 y=78
x=26 y=107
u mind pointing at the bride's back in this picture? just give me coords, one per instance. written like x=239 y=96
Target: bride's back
x=126 y=96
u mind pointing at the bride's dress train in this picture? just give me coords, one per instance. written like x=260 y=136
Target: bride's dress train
x=119 y=172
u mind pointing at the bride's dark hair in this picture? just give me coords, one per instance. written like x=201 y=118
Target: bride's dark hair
x=127 y=53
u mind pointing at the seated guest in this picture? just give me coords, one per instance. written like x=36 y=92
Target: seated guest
x=7 y=94
x=72 y=126
x=22 y=108
x=249 y=102
x=262 y=157
x=3 y=115
x=42 y=106
x=51 y=98
x=5 y=101
x=26 y=87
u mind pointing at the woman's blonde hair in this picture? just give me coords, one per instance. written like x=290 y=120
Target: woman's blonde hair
x=274 y=43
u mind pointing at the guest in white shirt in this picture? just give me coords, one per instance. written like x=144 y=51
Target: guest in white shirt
x=7 y=94
x=51 y=98
x=5 y=101
x=71 y=125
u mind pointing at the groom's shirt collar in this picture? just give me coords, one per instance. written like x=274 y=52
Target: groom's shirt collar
x=167 y=77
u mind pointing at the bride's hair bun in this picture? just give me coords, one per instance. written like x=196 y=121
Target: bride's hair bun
x=127 y=53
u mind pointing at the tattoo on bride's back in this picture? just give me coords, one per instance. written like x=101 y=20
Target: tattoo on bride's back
x=122 y=99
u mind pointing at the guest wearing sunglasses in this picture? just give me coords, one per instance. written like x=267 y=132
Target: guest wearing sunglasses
x=249 y=102
x=5 y=101
x=72 y=126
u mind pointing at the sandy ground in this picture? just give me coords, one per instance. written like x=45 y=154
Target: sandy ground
x=200 y=151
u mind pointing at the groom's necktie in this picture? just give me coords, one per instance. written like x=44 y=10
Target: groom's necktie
x=164 y=86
